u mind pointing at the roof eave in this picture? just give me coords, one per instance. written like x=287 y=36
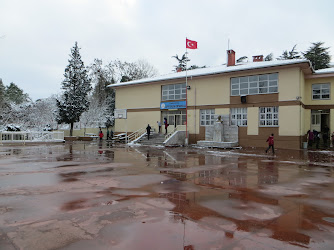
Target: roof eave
x=307 y=69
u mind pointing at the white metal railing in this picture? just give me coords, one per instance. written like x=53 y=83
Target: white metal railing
x=136 y=135
x=177 y=128
x=24 y=136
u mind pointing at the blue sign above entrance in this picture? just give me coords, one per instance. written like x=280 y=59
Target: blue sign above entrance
x=173 y=105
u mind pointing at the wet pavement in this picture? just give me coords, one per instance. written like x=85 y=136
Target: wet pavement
x=101 y=196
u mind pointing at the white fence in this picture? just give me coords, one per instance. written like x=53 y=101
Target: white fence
x=23 y=136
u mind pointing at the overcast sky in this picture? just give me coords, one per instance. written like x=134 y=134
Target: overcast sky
x=36 y=35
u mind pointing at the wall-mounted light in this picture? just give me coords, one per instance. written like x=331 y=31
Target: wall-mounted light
x=188 y=87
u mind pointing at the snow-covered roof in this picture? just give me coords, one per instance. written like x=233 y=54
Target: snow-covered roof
x=324 y=71
x=214 y=70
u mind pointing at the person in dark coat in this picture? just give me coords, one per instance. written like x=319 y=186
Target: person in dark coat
x=166 y=124
x=148 y=130
x=310 y=138
x=270 y=141
x=325 y=136
x=316 y=136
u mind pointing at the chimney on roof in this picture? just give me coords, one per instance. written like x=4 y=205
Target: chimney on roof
x=230 y=57
x=258 y=58
x=179 y=69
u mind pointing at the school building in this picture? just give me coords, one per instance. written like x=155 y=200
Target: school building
x=285 y=97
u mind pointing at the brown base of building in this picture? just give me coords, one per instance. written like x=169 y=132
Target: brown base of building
x=283 y=142
x=70 y=138
x=260 y=141
x=85 y=138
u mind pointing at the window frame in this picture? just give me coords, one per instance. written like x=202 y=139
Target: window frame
x=315 y=119
x=266 y=114
x=235 y=121
x=320 y=85
x=254 y=84
x=171 y=91
x=207 y=112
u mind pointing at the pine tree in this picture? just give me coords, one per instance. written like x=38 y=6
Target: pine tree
x=2 y=94
x=286 y=55
x=269 y=57
x=318 y=55
x=182 y=62
x=76 y=86
x=2 y=101
x=242 y=59
x=110 y=104
x=15 y=94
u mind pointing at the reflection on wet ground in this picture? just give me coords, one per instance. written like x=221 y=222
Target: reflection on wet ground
x=96 y=195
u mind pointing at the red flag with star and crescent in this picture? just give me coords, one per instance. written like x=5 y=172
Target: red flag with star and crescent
x=191 y=44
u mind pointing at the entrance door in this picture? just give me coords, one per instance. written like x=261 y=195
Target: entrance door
x=178 y=120
x=316 y=120
x=324 y=122
x=320 y=121
x=171 y=119
x=174 y=118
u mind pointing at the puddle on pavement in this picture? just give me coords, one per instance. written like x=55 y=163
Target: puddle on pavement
x=28 y=180
x=215 y=197
x=329 y=219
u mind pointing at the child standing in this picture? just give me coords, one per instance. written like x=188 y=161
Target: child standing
x=270 y=141
x=101 y=135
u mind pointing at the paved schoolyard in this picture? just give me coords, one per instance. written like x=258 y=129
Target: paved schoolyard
x=98 y=196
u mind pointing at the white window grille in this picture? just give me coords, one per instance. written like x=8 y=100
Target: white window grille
x=268 y=116
x=239 y=116
x=321 y=91
x=207 y=117
x=173 y=92
x=252 y=85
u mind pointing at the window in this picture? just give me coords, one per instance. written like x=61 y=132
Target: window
x=239 y=116
x=207 y=117
x=252 y=85
x=173 y=92
x=316 y=117
x=320 y=91
x=268 y=116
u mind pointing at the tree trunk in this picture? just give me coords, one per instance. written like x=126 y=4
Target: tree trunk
x=71 y=130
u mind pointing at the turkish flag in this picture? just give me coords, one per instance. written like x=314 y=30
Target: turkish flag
x=191 y=44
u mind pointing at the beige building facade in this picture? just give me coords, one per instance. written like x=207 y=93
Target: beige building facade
x=286 y=98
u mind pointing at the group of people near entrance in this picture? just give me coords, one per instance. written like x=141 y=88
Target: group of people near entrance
x=314 y=136
x=148 y=128
x=110 y=134
x=270 y=139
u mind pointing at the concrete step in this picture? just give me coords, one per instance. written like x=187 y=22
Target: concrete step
x=155 y=139
x=152 y=141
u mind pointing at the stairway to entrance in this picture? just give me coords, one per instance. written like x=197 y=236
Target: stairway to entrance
x=155 y=139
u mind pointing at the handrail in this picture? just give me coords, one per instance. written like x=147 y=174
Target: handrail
x=177 y=128
x=135 y=135
x=170 y=133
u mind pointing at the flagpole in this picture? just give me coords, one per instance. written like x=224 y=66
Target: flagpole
x=186 y=141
